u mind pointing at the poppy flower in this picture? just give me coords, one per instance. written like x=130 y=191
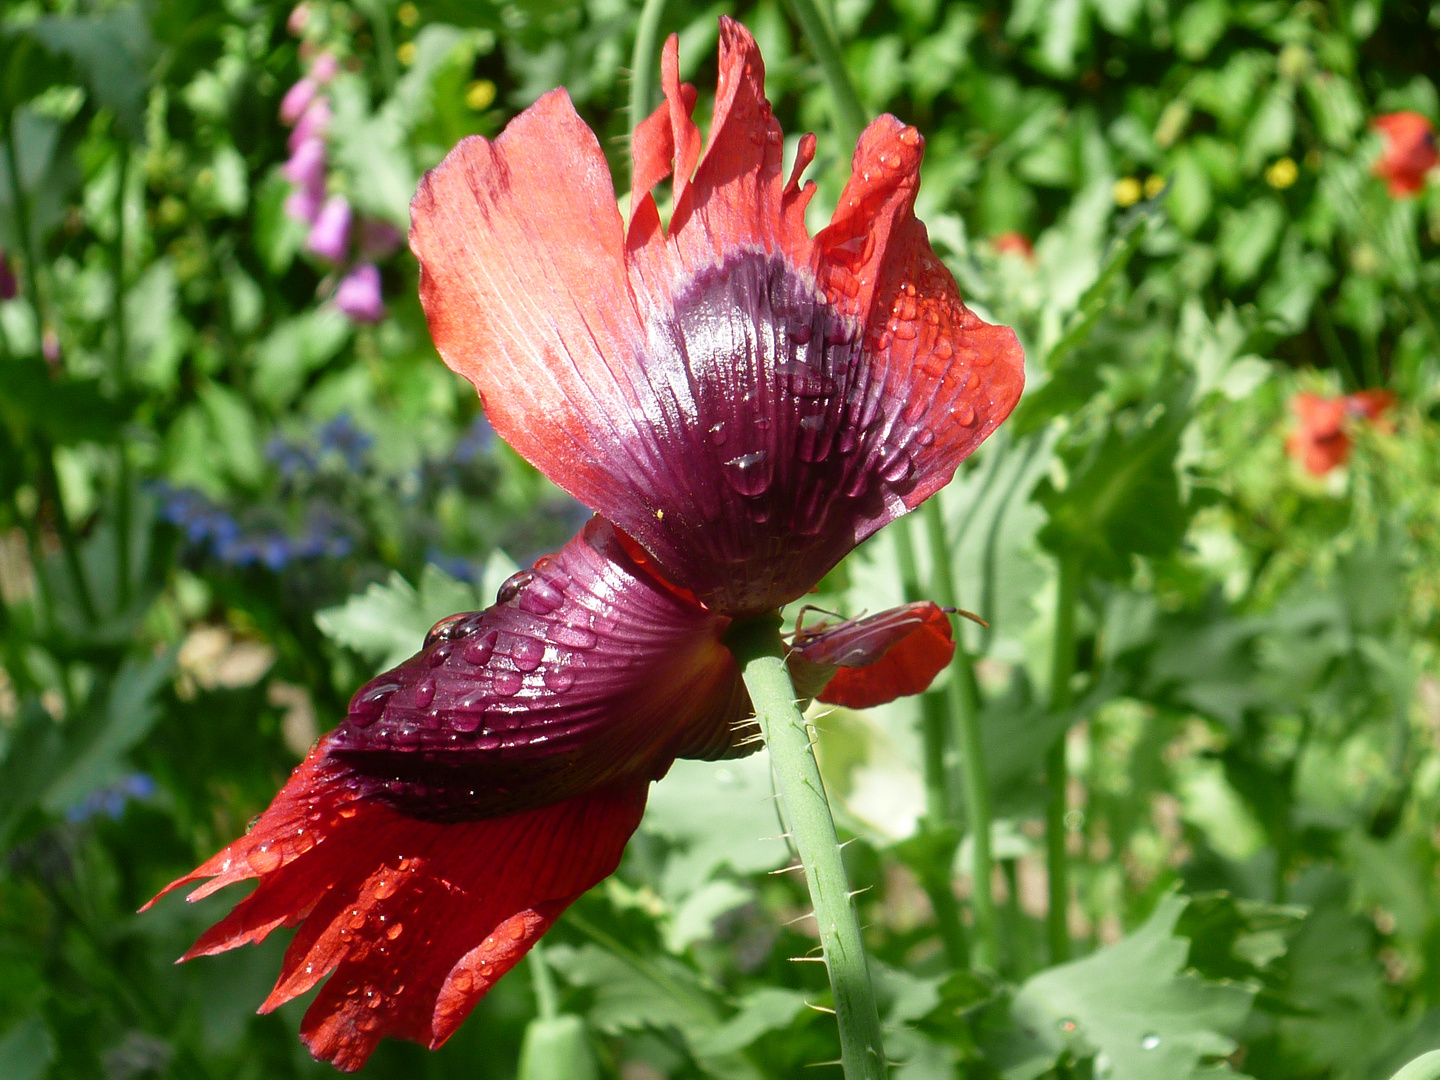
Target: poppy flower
x=743 y=404
x=1014 y=243
x=1409 y=151
x=1320 y=441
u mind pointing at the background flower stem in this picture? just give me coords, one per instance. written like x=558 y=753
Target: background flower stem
x=850 y=116
x=761 y=653
x=644 y=61
x=1062 y=669
x=547 y=998
x=940 y=797
x=965 y=708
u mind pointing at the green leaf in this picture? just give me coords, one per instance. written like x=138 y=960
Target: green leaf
x=1190 y=194
x=1134 y=1008
x=1247 y=237
x=716 y=814
x=62 y=411
x=27 y=1049
x=1199 y=27
x=1425 y=1067
x=1271 y=131
x=112 y=51
x=387 y=623
x=1122 y=497
x=769 y=1008
x=294 y=350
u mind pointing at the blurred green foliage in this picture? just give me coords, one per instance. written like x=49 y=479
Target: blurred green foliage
x=224 y=504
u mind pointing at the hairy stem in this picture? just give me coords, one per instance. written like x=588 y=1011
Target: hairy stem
x=965 y=706
x=761 y=654
x=643 y=63
x=850 y=118
x=1062 y=669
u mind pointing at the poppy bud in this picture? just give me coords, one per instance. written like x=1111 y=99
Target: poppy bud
x=557 y=1049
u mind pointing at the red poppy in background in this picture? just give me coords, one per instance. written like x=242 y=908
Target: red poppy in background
x=743 y=404
x=1014 y=243
x=1320 y=441
x=1409 y=151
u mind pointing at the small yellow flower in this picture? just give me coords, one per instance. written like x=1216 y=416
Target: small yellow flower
x=480 y=94
x=1154 y=184
x=1282 y=174
x=1127 y=191
x=406 y=53
x=408 y=14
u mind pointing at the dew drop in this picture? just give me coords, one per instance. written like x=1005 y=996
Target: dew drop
x=385 y=888
x=527 y=653
x=348 y=811
x=463 y=981
x=425 y=694
x=480 y=648
x=369 y=703
x=439 y=655
x=517 y=930
x=394 y=932
x=718 y=434
x=356 y=919
x=1150 y=1042
x=512 y=585
x=750 y=474
x=896 y=466
x=559 y=679
x=573 y=637
x=265 y=859
x=468 y=718
x=508 y=683
x=540 y=597
x=965 y=414
x=444 y=629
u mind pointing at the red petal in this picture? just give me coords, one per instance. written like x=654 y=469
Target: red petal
x=523 y=280
x=1409 y=152
x=877 y=659
x=950 y=377
x=416 y=919
x=653 y=146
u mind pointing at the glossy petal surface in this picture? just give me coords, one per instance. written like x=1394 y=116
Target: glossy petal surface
x=869 y=661
x=745 y=402
x=588 y=670
x=413 y=920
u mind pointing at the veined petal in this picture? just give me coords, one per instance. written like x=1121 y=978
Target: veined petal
x=746 y=403
x=589 y=669
x=413 y=920
x=869 y=661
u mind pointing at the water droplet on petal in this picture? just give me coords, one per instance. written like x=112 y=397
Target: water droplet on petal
x=369 y=703
x=385 y=887
x=718 y=434
x=425 y=694
x=750 y=474
x=512 y=585
x=559 y=679
x=965 y=414
x=1150 y=1042
x=480 y=648
x=393 y=933
x=540 y=597
x=265 y=859
x=896 y=465
x=527 y=653
x=508 y=683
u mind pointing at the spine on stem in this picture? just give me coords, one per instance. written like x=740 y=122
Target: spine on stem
x=761 y=653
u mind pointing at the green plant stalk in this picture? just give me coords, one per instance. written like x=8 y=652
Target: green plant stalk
x=850 y=118
x=1062 y=669
x=965 y=706
x=940 y=801
x=761 y=654
x=547 y=998
x=22 y=226
x=122 y=345
x=643 y=63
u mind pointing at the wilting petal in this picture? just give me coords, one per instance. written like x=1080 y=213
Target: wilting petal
x=747 y=404
x=1409 y=151
x=873 y=660
x=415 y=919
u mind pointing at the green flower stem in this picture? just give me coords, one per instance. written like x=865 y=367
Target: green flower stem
x=121 y=374
x=850 y=117
x=965 y=706
x=643 y=62
x=940 y=801
x=1062 y=669
x=761 y=654
x=547 y=998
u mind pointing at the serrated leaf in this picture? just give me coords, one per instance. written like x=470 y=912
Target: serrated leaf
x=1134 y=1004
x=387 y=623
x=768 y=1009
